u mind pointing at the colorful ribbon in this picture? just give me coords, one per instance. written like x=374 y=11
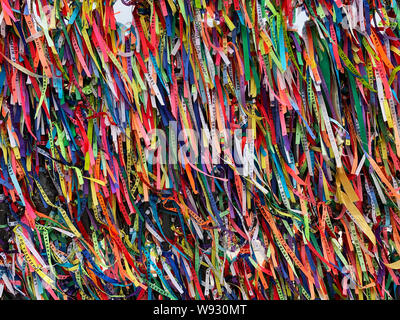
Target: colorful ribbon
x=229 y=149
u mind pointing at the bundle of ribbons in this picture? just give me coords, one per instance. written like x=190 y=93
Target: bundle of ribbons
x=211 y=149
